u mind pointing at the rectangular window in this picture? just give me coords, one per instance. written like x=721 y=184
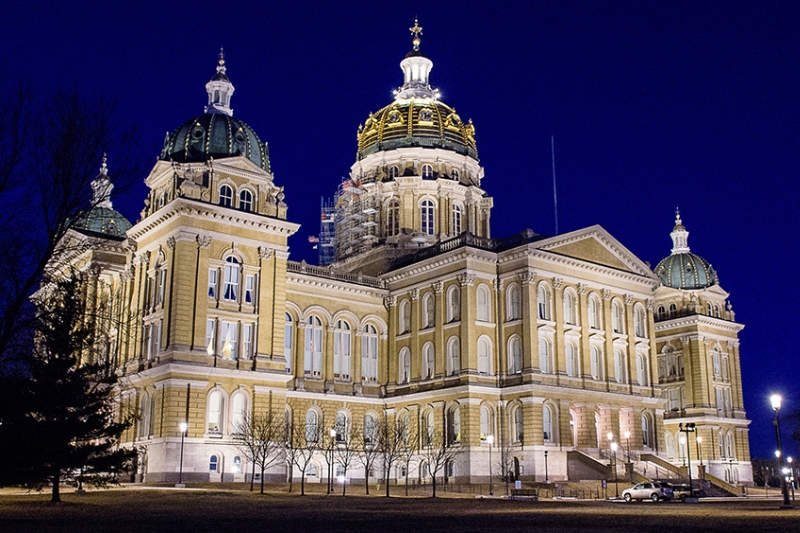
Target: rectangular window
x=211 y=335
x=147 y=343
x=249 y=289
x=247 y=341
x=287 y=345
x=162 y=284
x=212 y=283
x=229 y=330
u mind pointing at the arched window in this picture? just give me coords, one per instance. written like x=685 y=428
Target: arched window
x=429 y=428
x=404 y=366
x=369 y=354
x=544 y=357
x=426 y=217
x=213 y=464
x=513 y=302
x=596 y=363
x=639 y=321
x=225 y=196
x=662 y=312
x=641 y=369
x=716 y=311
x=595 y=313
x=570 y=307
x=673 y=310
x=619 y=366
x=617 y=318
x=484 y=355
x=312 y=426
x=342 y=427
x=709 y=312
x=645 y=431
x=370 y=429
x=288 y=341
x=484 y=305
x=453 y=356
x=238 y=413
x=572 y=360
x=547 y=423
x=393 y=218
x=427 y=172
x=313 y=348
x=214 y=417
x=486 y=423
x=231 y=277
x=341 y=350
x=404 y=317
x=453 y=304
x=519 y=430
x=393 y=172
x=454 y=174
x=456 y=220
x=246 y=200
x=428 y=361
x=454 y=425
x=514 y=355
x=428 y=311
x=543 y=300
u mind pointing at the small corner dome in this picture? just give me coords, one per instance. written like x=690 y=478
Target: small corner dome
x=214 y=135
x=103 y=221
x=683 y=269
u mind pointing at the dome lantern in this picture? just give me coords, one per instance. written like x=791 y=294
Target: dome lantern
x=416 y=71
x=220 y=89
x=680 y=237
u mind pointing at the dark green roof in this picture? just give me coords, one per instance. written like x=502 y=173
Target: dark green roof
x=103 y=221
x=686 y=271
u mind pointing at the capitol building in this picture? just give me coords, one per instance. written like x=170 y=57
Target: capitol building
x=550 y=351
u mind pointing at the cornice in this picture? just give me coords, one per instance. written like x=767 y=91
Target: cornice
x=699 y=320
x=464 y=253
x=309 y=280
x=648 y=282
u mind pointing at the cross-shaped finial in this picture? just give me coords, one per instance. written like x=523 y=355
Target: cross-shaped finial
x=416 y=31
x=104 y=167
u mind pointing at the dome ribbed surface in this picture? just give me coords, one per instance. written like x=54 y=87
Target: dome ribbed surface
x=104 y=221
x=214 y=135
x=686 y=271
x=425 y=122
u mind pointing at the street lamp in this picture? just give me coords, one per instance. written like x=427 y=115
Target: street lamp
x=490 y=440
x=183 y=427
x=791 y=474
x=616 y=481
x=330 y=464
x=546 y=475
x=776 y=400
x=688 y=428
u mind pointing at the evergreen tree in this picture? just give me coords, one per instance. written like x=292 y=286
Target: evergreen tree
x=62 y=424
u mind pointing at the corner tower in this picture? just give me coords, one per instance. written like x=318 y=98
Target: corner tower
x=697 y=344
x=416 y=180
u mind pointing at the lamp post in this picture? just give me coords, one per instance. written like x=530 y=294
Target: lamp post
x=546 y=475
x=330 y=464
x=791 y=474
x=688 y=428
x=776 y=400
x=183 y=427
x=490 y=440
x=616 y=481
x=699 y=440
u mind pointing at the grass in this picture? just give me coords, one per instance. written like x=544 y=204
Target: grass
x=137 y=509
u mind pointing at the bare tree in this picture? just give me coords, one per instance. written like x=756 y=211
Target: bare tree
x=407 y=448
x=260 y=438
x=370 y=447
x=346 y=449
x=437 y=453
x=301 y=445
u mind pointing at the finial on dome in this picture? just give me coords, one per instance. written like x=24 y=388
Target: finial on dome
x=102 y=186
x=220 y=89
x=221 y=61
x=416 y=31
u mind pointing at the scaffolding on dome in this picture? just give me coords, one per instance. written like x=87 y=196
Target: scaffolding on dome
x=350 y=222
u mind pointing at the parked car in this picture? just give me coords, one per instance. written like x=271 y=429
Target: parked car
x=684 y=491
x=655 y=491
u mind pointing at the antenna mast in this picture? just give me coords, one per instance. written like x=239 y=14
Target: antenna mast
x=555 y=195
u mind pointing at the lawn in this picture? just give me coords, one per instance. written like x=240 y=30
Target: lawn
x=148 y=509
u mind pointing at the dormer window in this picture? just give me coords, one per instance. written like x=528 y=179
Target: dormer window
x=427 y=172
x=225 y=196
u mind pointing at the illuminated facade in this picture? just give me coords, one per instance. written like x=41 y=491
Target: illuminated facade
x=544 y=344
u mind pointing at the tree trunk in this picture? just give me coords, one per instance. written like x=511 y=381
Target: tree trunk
x=291 y=477
x=262 y=480
x=344 y=483
x=253 y=476
x=56 y=489
x=433 y=477
x=303 y=483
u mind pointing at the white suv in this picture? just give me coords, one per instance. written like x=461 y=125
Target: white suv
x=648 y=491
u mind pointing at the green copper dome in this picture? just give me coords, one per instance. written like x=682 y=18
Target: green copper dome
x=103 y=220
x=683 y=269
x=214 y=135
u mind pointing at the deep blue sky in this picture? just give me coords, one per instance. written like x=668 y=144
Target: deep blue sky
x=652 y=105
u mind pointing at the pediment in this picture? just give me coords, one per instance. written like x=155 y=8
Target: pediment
x=595 y=245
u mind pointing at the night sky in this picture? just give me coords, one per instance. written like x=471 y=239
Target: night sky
x=653 y=105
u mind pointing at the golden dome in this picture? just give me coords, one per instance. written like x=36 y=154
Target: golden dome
x=425 y=122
